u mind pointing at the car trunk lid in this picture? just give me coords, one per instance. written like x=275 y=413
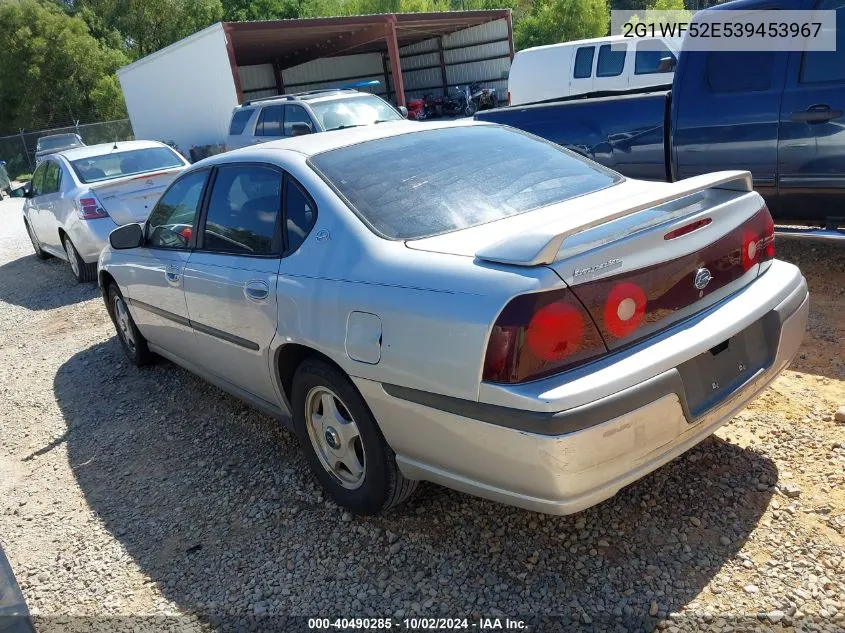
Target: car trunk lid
x=638 y=258
x=130 y=199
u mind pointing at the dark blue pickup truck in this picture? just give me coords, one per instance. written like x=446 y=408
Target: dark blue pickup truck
x=780 y=115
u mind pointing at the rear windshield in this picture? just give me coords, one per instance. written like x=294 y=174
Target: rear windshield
x=425 y=183
x=118 y=164
x=57 y=142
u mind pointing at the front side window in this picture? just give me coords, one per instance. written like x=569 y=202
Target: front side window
x=243 y=211
x=296 y=116
x=584 y=62
x=650 y=55
x=38 y=179
x=827 y=66
x=269 y=121
x=722 y=71
x=52 y=177
x=117 y=164
x=239 y=121
x=400 y=197
x=171 y=222
x=336 y=114
x=300 y=215
x=611 y=60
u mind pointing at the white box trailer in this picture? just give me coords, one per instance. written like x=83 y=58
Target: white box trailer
x=184 y=94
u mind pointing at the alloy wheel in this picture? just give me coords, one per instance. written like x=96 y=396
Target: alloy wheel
x=124 y=324
x=335 y=437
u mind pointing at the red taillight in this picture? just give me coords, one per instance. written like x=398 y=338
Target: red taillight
x=555 y=331
x=187 y=232
x=540 y=334
x=758 y=239
x=509 y=97
x=89 y=208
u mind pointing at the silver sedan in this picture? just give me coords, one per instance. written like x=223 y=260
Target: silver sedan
x=78 y=196
x=461 y=303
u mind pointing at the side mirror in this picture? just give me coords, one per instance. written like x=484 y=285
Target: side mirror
x=300 y=129
x=403 y=111
x=667 y=64
x=20 y=192
x=127 y=236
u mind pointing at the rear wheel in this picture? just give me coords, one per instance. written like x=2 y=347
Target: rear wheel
x=342 y=442
x=36 y=245
x=470 y=108
x=82 y=271
x=131 y=340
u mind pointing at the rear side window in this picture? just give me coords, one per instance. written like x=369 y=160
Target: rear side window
x=270 y=122
x=243 y=211
x=611 y=60
x=584 y=62
x=300 y=215
x=721 y=71
x=649 y=55
x=827 y=66
x=400 y=197
x=171 y=222
x=239 y=120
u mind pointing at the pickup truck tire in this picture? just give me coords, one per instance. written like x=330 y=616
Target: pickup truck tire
x=40 y=253
x=131 y=340
x=82 y=271
x=342 y=442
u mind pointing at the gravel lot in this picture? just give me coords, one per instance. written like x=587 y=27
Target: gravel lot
x=127 y=492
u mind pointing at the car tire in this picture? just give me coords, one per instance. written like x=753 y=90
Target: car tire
x=131 y=340
x=82 y=271
x=40 y=253
x=347 y=454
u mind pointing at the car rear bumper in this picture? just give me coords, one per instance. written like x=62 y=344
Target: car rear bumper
x=565 y=461
x=90 y=237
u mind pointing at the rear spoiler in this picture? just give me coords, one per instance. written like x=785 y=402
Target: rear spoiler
x=541 y=245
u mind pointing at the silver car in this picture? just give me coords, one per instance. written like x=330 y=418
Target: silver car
x=272 y=118
x=79 y=196
x=531 y=328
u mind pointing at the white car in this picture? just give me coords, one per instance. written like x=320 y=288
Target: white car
x=78 y=196
x=605 y=64
x=532 y=328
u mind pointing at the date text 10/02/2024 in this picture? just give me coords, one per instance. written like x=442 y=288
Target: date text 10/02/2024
x=416 y=624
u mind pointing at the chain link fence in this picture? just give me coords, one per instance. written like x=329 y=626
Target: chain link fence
x=18 y=150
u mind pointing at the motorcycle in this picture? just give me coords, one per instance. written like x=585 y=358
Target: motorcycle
x=483 y=98
x=416 y=110
x=461 y=103
x=433 y=106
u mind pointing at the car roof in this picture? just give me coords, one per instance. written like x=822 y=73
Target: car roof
x=313 y=144
x=89 y=151
x=313 y=96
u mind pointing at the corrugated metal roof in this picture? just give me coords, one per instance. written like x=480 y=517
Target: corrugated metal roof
x=293 y=42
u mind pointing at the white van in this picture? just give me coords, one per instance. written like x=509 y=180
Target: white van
x=603 y=64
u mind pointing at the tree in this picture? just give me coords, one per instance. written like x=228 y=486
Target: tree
x=149 y=25
x=52 y=70
x=552 y=21
x=243 y=10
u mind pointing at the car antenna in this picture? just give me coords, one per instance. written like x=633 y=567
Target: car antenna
x=115 y=145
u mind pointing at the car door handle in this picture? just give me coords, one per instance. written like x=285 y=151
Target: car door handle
x=819 y=113
x=256 y=291
x=171 y=273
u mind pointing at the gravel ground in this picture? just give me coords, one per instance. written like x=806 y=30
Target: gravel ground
x=127 y=492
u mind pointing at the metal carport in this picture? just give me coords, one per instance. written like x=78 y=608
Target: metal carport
x=408 y=43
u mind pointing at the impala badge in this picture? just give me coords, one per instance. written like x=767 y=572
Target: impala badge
x=702 y=278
